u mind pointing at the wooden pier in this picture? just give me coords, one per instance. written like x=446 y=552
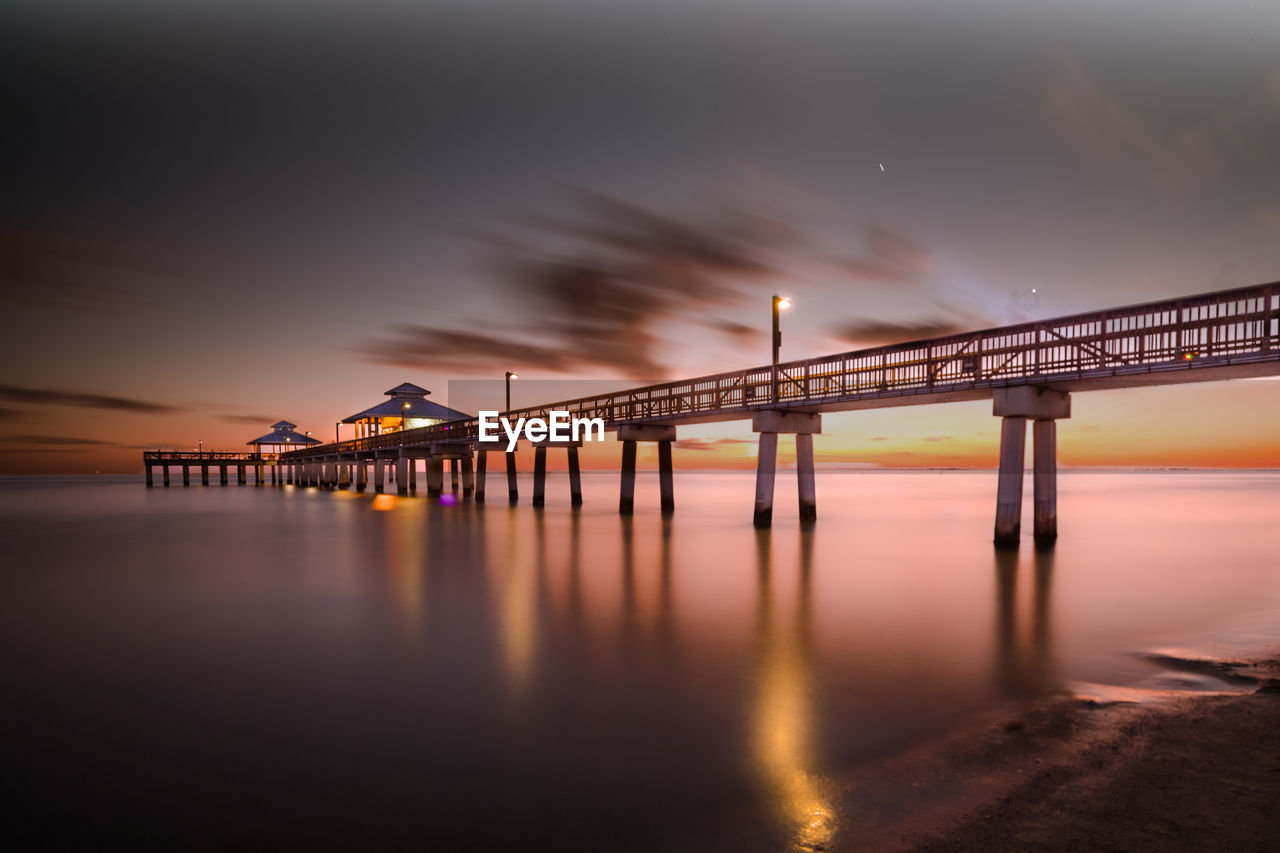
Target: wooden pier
x=1028 y=370
x=261 y=464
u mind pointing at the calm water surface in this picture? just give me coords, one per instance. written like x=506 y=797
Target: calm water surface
x=217 y=666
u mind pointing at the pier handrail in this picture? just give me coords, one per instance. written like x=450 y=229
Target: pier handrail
x=205 y=456
x=1235 y=326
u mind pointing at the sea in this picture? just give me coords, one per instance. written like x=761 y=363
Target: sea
x=289 y=668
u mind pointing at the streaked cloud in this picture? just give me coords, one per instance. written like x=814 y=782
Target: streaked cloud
x=57 y=440
x=80 y=399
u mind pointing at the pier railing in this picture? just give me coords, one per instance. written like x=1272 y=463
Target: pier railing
x=1226 y=327
x=158 y=456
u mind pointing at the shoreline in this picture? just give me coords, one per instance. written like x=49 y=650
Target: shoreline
x=1069 y=772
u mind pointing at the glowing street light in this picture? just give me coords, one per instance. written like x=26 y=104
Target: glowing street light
x=510 y=376
x=404 y=418
x=779 y=302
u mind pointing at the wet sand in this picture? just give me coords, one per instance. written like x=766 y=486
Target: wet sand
x=1187 y=773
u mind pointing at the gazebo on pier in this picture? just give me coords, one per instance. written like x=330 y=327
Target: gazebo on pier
x=282 y=438
x=408 y=408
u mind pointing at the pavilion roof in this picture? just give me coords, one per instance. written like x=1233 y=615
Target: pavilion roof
x=283 y=433
x=395 y=408
x=408 y=394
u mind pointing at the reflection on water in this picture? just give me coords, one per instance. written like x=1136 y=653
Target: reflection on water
x=1024 y=668
x=515 y=584
x=298 y=666
x=782 y=728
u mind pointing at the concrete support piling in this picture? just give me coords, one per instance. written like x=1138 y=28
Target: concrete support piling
x=186 y=475
x=627 y=493
x=402 y=475
x=165 y=469
x=575 y=478
x=149 y=483
x=1013 y=440
x=539 y=475
x=435 y=476
x=664 y=435
x=241 y=479
x=803 y=425
x=360 y=475
x=413 y=476
x=379 y=473
x=766 y=470
x=222 y=475
x=1017 y=405
x=455 y=466
x=204 y=474
x=1045 y=479
x=468 y=482
x=805 y=479
x=513 y=493
x=481 y=466
x=666 y=478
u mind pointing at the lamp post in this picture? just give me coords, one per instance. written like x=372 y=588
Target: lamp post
x=510 y=376
x=779 y=302
x=337 y=436
x=200 y=449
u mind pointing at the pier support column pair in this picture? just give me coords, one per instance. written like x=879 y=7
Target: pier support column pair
x=1043 y=407
x=803 y=425
x=664 y=435
x=540 y=471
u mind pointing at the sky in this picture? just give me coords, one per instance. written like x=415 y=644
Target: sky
x=219 y=215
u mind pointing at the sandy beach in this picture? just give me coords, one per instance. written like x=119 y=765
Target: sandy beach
x=1198 y=772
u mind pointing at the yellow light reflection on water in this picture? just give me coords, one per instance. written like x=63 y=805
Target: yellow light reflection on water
x=384 y=502
x=782 y=728
x=516 y=582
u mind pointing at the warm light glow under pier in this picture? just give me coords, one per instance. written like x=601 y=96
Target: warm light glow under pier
x=1028 y=370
